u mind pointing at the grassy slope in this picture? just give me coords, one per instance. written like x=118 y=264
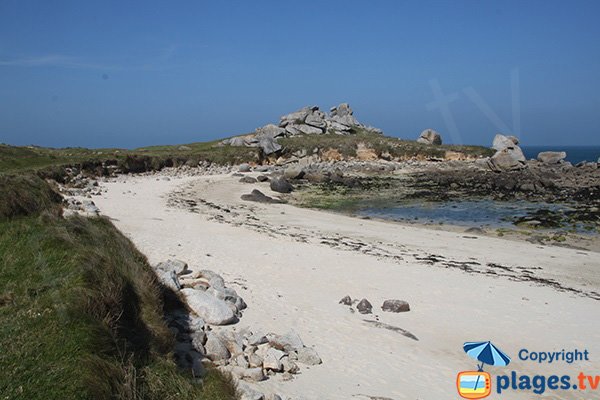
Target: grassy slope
x=347 y=145
x=81 y=313
x=13 y=159
x=18 y=159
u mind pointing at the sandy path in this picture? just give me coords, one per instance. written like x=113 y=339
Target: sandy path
x=293 y=265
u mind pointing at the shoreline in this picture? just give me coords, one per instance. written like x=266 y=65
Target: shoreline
x=583 y=242
x=292 y=266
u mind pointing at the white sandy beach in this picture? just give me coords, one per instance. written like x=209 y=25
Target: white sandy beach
x=293 y=265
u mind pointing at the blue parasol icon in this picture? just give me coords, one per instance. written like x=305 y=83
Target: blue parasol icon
x=487 y=353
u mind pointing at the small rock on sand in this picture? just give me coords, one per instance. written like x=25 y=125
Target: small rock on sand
x=281 y=185
x=259 y=197
x=248 y=179
x=364 y=307
x=395 y=306
x=245 y=167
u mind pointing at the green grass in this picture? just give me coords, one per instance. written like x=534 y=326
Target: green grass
x=31 y=158
x=27 y=159
x=347 y=145
x=26 y=194
x=81 y=311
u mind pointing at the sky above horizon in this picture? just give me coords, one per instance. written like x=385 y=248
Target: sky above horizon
x=131 y=74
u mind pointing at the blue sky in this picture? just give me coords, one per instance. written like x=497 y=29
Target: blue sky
x=128 y=74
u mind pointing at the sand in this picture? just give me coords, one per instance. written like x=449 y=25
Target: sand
x=293 y=265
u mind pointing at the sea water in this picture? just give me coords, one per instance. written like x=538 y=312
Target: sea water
x=468 y=213
x=575 y=154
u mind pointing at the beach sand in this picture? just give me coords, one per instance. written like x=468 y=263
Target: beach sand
x=293 y=265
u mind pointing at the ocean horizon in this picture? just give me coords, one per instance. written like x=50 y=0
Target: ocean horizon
x=575 y=154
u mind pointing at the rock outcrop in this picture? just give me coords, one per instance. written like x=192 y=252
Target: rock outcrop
x=508 y=157
x=306 y=121
x=552 y=157
x=429 y=136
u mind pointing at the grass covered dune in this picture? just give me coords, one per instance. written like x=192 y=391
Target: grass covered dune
x=81 y=312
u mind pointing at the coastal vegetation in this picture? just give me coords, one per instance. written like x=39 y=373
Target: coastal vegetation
x=81 y=311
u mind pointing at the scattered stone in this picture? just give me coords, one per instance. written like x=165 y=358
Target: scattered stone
x=262 y=178
x=254 y=360
x=346 y=300
x=251 y=374
x=215 y=348
x=289 y=365
x=395 y=306
x=248 y=179
x=281 y=185
x=259 y=197
x=257 y=338
x=271 y=361
x=288 y=342
x=364 y=307
x=177 y=266
x=476 y=230
x=169 y=279
x=248 y=393
x=308 y=356
x=198 y=340
x=245 y=167
x=293 y=173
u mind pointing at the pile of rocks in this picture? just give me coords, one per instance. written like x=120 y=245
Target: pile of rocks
x=306 y=121
x=205 y=292
x=85 y=207
x=253 y=356
x=248 y=355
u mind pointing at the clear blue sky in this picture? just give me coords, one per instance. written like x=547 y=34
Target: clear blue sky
x=128 y=74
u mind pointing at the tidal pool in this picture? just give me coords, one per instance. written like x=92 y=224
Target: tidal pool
x=469 y=213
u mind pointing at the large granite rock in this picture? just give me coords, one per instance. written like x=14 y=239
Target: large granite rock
x=211 y=309
x=316 y=119
x=269 y=145
x=271 y=131
x=502 y=142
x=508 y=159
x=306 y=121
x=215 y=348
x=429 y=136
x=297 y=117
x=551 y=157
x=288 y=342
